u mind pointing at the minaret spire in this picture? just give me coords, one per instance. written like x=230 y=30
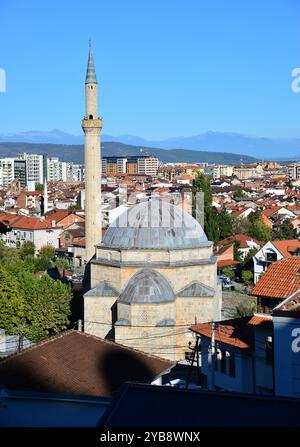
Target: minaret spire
x=90 y=72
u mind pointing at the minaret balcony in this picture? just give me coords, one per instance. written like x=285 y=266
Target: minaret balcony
x=91 y=123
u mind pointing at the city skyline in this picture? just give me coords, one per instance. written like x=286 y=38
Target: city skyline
x=184 y=71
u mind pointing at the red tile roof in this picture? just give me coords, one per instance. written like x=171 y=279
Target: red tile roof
x=77 y=363
x=235 y=332
x=270 y=211
x=286 y=247
x=31 y=223
x=280 y=280
x=9 y=217
x=262 y=321
x=242 y=238
x=290 y=305
x=227 y=263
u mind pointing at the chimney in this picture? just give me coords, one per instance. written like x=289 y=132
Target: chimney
x=53 y=223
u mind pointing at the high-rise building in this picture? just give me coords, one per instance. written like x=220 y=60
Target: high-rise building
x=7 y=174
x=74 y=172
x=222 y=171
x=294 y=171
x=56 y=170
x=136 y=164
x=34 y=167
x=20 y=173
x=92 y=125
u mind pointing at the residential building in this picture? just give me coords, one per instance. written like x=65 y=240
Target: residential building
x=37 y=230
x=34 y=167
x=271 y=252
x=294 y=171
x=222 y=171
x=7 y=171
x=244 y=173
x=20 y=171
x=286 y=331
x=140 y=164
x=46 y=380
x=258 y=354
x=244 y=243
x=74 y=172
x=277 y=283
x=228 y=366
x=56 y=170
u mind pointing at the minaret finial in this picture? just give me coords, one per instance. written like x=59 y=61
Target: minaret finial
x=90 y=72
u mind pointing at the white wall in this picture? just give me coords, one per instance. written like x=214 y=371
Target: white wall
x=260 y=257
x=243 y=379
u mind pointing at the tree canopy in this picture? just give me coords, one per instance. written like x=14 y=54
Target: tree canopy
x=37 y=304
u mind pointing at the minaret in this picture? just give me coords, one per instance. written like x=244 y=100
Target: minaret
x=92 y=125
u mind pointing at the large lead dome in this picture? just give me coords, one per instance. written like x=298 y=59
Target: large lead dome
x=155 y=225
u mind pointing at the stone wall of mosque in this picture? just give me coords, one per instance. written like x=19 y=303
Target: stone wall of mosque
x=158 y=341
x=99 y=315
x=144 y=255
x=179 y=277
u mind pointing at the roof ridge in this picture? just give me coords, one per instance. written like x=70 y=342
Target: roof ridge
x=38 y=344
x=84 y=334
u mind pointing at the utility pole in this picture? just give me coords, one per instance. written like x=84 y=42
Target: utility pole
x=213 y=355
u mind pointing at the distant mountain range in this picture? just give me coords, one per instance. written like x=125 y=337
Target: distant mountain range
x=258 y=147
x=72 y=152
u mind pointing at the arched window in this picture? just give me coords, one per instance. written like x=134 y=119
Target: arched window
x=90 y=117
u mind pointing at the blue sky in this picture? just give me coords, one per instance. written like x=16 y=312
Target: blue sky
x=165 y=67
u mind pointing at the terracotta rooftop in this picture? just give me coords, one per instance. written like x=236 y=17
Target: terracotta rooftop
x=261 y=321
x=287 y=247
x=290 y=305
x=31 y=223
x=242 y=238
x=280 y=280
x=235 y=332
x=227 y=263
x=77 y=363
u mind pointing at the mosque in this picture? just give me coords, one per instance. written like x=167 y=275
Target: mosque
x=154 y=273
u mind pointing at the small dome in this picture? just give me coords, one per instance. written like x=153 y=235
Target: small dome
x=147 y=286
x=155 y=225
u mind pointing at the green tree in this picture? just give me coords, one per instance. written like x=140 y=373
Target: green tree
x=27 y=250
x=284 y=231
x=74 y=207
x=39 y=187
x=62 y=264
x=48 y=305
x=47 y=251
x=246 y=309
x=12 y=302
x=229 y=273
x=224 y=221
x=241 y=225
x=41 y=264
x=236 y=252
x=239 y=193
x=248 y=261
x=259 y=230
x=247 y=276
x=201 y=183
